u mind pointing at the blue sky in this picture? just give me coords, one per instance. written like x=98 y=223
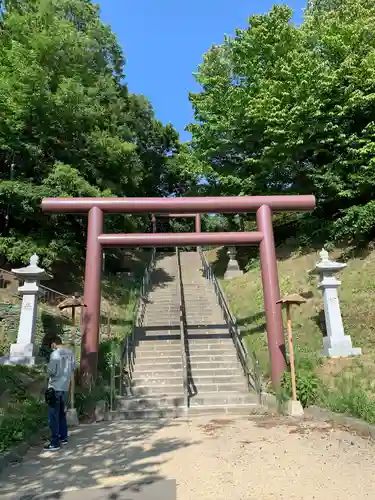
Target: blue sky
x=164 y=40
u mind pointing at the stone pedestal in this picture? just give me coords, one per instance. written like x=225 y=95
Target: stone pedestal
x=336 y=343
x=233 y=269
x=294 y=408
x=72 y=417
x=23 y=352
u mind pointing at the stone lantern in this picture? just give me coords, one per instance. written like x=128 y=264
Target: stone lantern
x=336 y=343
x=233 y=269
x=23 y=352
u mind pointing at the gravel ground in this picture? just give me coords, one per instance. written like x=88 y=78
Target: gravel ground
x=263 y=458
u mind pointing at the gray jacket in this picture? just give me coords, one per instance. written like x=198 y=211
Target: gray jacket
x=60 y=368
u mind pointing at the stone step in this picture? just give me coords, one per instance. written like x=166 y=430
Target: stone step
x=161 y=320
x=162 y=411
x=176 y=389
x=219 y=340
x=170 y=300
x=147 y=364
x=190 y=350
x=165 y=335
x=144 y=330
x=158 y=305
x=217 y=372
x=150 y=401
x=207 y=333
x=157 y=342
x=154 y=373
x=166 y=324
x=220 y=386
x=176 y=364
x=226 y=357
x=203 y=320
x=199 y=315
x=213 y=380
x=225 y=350
x=193 y=349
x=222 y=398
x=159 y=353
x=236 y=409
x=206 y=299
x=219 y=380
x=162 y=306
x=147 y=414
x=151 y=336
x=146 y=346
x=153 y=360
x=209 y=311
x=141 y=381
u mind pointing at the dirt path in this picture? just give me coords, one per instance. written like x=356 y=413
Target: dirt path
x=212 y=459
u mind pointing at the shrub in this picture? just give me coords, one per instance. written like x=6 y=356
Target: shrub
x=308 y=386
x=19 y=420
x=351 y=397
x=86 y=399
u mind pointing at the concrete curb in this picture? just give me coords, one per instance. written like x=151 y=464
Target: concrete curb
x=355 y=424
x=17 y=453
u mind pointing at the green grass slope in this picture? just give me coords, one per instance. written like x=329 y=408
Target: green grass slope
x=343 y=384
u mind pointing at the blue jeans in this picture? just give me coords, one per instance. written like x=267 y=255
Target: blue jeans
x=57 y=419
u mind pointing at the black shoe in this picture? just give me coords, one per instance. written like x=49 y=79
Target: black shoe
x=63 y=441
x=51 y=447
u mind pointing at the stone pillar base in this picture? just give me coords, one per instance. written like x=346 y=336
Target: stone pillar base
x=100 y=411
x=340 y=348
x=22 y=354
x=294 y=408
x=233 y=270
x=72 y=417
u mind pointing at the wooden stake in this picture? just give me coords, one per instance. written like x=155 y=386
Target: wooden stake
x=291 y=352
x=72 y=380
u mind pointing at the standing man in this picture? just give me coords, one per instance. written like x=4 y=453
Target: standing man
x=60 y=369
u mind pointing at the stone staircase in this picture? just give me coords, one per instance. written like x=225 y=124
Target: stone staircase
x=217 y=382
x=215 y=378
x=157 y=379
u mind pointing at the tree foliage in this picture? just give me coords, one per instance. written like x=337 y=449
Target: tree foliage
x=287 y=109
x=69 y=127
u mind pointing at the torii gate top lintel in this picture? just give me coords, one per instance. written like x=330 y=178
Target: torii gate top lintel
x=208 y=204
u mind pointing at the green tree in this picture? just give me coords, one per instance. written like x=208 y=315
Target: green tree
x=287 y=109
x=68 y=127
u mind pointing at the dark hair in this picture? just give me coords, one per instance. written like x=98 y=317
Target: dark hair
x=57 y=340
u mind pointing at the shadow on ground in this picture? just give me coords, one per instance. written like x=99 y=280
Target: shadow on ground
x=124 y=454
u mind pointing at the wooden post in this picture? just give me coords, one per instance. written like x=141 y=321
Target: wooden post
x=291 y=352
x=72 y=381
x=294 y=406
x=72 y=303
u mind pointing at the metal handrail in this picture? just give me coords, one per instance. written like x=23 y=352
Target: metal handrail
x=182 y=330
x=252 y=375
x=127 y=358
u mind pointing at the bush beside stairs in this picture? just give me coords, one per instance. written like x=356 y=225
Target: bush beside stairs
x=216 y=380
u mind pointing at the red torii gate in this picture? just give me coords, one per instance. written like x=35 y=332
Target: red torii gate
x=262 y=205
